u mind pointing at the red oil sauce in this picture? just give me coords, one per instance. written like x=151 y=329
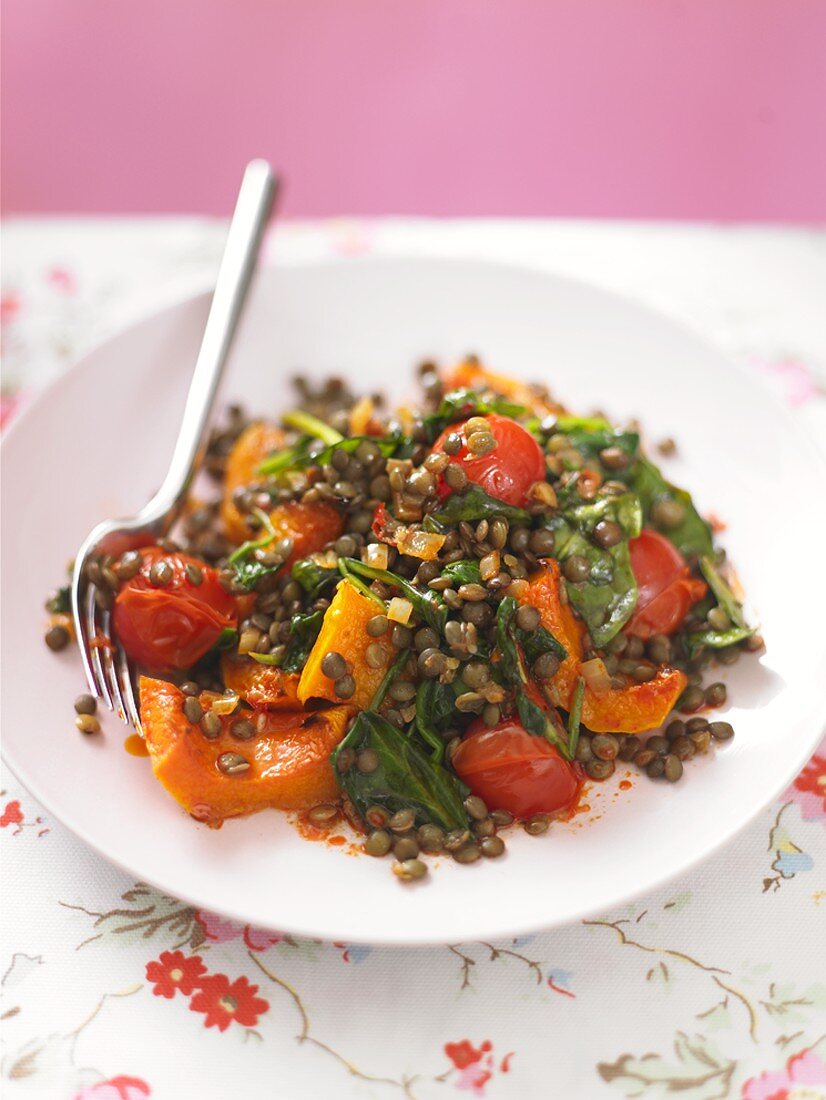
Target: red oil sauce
x=135 y=745
x=625 y=785
x=327 y=833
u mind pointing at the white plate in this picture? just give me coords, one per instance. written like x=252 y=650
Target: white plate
x=97 y=443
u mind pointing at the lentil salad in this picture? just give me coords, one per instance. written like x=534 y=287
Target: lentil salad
x=436 y=623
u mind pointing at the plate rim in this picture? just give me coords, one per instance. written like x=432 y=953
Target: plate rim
x=806 y=444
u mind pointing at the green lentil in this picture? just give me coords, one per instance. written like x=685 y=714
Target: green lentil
x=86 y=704
x=467 y=853
x=87 y=723
x=193 y=710
x=536 y=825
x=344 y=687
x=210 y=726
x=600 y=769
x=378 y=843
x=431 y=838
x=716 y=695
x=492 y=847
x=367 y=761
x=57 y=638
x=333 y=665
x=410 y=870
x=721 y=731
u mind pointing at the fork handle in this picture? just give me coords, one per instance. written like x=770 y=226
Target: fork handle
x=252 y=209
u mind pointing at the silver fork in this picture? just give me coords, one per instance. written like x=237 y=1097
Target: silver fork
x=107 y=667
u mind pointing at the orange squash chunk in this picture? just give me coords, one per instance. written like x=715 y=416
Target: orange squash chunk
x=289 y=759
x=260 y=685
x=344 y=631
x=632 y=709
x=310 y=526
x=251 y=447
x=470 y=374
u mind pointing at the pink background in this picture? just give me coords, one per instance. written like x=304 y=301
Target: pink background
x=656 y=108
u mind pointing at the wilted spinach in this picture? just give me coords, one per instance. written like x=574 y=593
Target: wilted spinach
x=60 y=602
x=304 y=629
x=427 y=604
x=435 y=704
x=475 y=504
x=692 y=535
x=606 y=600
x=590 y=435
x=739 y=629
x=405 y=777
x=463 y=403
x=535 y=720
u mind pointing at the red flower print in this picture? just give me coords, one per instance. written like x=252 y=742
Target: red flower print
x=223 y=1001
x=464 y=1054
x=173 y=972
x=803 y=1069
x=809 y=789
x=116 y=1088
x=12 y=815
x=475 y=1064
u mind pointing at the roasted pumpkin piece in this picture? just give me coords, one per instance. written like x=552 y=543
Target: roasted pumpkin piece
x=309 y=526
x=260 y=685
x=287 y=759
x=632 y=709
x=250 y=449
x=344 y=631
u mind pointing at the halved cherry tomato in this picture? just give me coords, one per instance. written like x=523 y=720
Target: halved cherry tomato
x=174 y=626
x=512 y=770
x=664 y=583
x=507 y=472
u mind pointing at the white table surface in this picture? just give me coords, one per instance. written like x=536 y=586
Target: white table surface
x=712 y=987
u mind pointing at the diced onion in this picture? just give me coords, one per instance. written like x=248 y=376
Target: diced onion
x=399 y=610
x=226 y=703
x=419 y=544
x=596 y=676
x=376 y=554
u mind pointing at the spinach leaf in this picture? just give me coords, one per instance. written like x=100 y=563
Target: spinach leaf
x=590 y=435
x=463 y=403
x=534 y=719
x=475 y=504
x=575 y=716
x=60 y=602
x=304 y=629
x=692 y=535
x=404 y=779
x=397 y=665
x=246 y=548
x=434 y=711
x=427 y=604
x=314 y=579
x=717 y=639
x=226 y=638
x=306 y=453
x=539 y=641
x=725 y=597
x=461 y=572
x=249 y=572
x=737 y=632
x=607 y=599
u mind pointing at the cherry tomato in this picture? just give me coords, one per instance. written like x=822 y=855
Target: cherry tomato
x=512 y=770
x=664 y=583
x=507 y=472
x=173 y=626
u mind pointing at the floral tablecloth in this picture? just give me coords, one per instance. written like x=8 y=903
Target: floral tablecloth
x=712 y=987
